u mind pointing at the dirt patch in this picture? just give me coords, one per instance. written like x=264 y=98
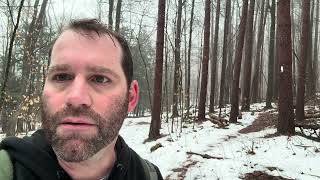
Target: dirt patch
x=264 y=120
x=260 y=175
x=142 y=123
x=182 y=171
x=312 y=100
x=276 y=134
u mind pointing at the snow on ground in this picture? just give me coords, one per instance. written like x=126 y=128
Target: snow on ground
x=292 y=157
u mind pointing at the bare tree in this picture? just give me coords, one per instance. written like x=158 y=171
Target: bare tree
x=30 y=43
x=315 y=47
x=214 y=58
x=7 y=68
x=118 y=15
x=224 y=53
x=205 y=61
x=155 y=125
x=270 y=83
x=237 y=65
x=255 y=88
x=309 y=78
x=110 y=19
x=284 y=55
x=304 y=43
x=177 y=63
x=248 y=60
x=187 y=93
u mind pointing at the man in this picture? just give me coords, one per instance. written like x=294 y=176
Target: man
x=87 y=94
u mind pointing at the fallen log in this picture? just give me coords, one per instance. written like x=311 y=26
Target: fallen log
x=206 y=156
x=309 y=116
x=221 y=122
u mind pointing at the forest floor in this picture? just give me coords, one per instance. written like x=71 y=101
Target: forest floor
x=249 y=150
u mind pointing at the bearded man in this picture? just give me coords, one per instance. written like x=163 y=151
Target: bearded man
x=87 y=94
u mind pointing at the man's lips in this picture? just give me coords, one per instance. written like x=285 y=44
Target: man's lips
x=76 y=123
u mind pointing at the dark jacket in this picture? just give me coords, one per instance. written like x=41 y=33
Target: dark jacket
x=33 y=159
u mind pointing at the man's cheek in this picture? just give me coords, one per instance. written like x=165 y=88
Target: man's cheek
x=52 y=103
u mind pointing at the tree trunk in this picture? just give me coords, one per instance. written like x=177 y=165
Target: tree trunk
x=284 y=55
x=166 y=56
x=248 y=60
x=269 y=95
x=110 y=19
x=214 y=58
x=293 y=30
x=315 y=48
x=177 y=64
x=304 y=47
x=224 y=54
x=118 y=15
x=255 y=80
x=205 y=61
x=237 y=65
x=309 y=78
x=229 y=67
x=28 y=54
x=7 y=68
x=189 y=61
x=156 y=108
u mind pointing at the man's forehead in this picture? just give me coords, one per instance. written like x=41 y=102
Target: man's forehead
x=70 y=39
x=88 y=36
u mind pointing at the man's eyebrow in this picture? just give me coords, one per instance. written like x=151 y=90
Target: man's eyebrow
x=102 y=70
x=59 y=67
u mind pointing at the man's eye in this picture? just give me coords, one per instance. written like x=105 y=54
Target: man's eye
x=100 y=79
x=62 y=77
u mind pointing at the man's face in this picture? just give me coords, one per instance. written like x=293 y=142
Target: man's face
x=85 y=97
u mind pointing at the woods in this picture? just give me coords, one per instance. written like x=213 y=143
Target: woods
x=193 y=59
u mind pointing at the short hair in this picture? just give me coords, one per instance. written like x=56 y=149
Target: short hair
x=89 y=26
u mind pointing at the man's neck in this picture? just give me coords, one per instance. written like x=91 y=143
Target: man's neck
x=96 y=167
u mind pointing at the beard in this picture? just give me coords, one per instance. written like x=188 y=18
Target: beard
x=76 y=146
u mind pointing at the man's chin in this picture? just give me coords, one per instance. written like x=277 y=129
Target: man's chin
x=73 y=149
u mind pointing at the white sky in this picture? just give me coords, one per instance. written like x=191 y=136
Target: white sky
x=131 y=11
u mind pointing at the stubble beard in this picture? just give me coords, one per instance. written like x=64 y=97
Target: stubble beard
x=76 y=146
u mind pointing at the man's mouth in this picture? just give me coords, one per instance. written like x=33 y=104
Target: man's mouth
x=76 y=123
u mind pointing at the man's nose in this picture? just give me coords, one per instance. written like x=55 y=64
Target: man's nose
x=79 y=93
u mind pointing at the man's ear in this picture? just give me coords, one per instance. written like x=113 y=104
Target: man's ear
x=133 y=95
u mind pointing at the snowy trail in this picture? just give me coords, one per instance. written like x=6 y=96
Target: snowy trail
x=242 y=153
x=294 y=158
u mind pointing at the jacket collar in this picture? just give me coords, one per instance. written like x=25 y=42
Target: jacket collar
x=122 y=163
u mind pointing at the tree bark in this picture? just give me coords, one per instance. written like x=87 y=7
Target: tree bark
x=214 y=58
x=177 y=64
x=284 y=55
x=110 y=19
x=248 y=60
x=293 y=31
x=155 y=125
x=304 y=47
x=118 y=15
x=309 y=78
x=28 y=54
x=229 y=67
x=205 y=61
x=189 y=61
x=224 y=54
x=6 y=73
x=269 y=95
x=237 y=65
x=255 y=80
x=315 y=48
